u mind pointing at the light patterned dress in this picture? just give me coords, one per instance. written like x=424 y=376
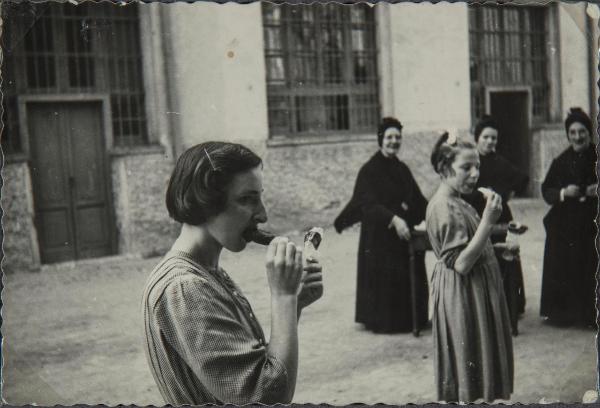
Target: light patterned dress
x=473 y=353
x=202 y=340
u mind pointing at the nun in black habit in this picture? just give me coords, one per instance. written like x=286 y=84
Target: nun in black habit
x=388 y=203
x=500 y=175
x=495 y=171
x=570 y=257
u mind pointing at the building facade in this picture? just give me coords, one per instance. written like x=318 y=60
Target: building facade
x=99 y=100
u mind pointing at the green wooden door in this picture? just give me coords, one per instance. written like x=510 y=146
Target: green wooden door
x=69 y=179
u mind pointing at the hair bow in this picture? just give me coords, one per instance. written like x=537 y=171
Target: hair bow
x=452 y=138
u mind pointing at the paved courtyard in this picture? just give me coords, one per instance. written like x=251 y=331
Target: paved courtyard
x=72 y=334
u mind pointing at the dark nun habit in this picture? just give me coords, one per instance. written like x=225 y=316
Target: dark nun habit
x=385 y=187
x=570 y=257
x=499 y=174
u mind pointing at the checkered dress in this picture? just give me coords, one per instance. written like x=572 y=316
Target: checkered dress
x=203 y=342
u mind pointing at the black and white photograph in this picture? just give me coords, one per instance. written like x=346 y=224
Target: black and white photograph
x=271 y=202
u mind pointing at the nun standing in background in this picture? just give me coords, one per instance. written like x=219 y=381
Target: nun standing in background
x=388 y=203
x=496 y=172
x=570 y=257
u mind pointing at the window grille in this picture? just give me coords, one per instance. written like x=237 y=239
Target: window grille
x=508 y=48
x=54 y=48
x=321 y=68
x=11 y=143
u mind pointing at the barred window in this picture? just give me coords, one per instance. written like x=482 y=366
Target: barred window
x=11 y=142
x=508 y=48
x=321 y=69
x=53 y=48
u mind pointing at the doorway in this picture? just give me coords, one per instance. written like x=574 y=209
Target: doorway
x=510 y=110
x=69 y=180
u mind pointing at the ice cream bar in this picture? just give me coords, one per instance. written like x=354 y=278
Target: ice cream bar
x=312 y=240
x=485 y=191
x=259 y=236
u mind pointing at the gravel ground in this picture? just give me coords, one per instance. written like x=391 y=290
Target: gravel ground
x=72 y=334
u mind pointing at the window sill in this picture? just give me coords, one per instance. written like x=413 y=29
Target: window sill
x=538 y=127
x=283 y=141
x=14 y=158
x=137 y=150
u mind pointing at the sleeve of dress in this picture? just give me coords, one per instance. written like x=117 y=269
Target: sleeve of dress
x=551 y=186
x=349 y=215
x=203 y=328
x=372 y=210
x=447 y=226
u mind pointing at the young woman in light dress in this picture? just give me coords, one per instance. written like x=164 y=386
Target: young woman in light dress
x=473 y=354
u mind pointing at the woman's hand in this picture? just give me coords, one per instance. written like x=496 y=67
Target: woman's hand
x=284 y=267
x=572 y=191
x=401 y=228
x=284 y=270
x=493 y=209
x=590 y=191
x=511 y=247
x=509 y=251
x=312 y=284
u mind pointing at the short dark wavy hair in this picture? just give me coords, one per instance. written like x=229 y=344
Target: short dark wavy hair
x=485 y=122
x=198 y=185
x=385 y=124
x=444 y=153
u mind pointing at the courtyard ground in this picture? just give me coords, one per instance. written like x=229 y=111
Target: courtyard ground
x=72 y=334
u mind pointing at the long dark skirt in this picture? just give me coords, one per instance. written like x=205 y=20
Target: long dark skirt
x=569 y=279
x=383 y=292
x=514 y=290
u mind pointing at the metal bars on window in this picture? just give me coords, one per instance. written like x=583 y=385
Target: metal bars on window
x=11 y=142
x=54 y=48
x=123 y=61
x=508 y=48
x=321 y=68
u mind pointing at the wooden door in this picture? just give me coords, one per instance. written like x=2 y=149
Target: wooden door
x=510 y=110
x=69 y=180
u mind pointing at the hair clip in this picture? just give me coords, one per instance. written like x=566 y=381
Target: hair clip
x=210 y=160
